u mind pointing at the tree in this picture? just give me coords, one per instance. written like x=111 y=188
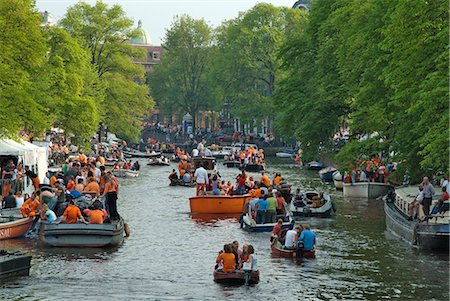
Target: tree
x=22 y=52
x=180 y=82
x=104 y=33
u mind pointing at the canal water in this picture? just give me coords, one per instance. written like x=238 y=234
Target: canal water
x=170 y=255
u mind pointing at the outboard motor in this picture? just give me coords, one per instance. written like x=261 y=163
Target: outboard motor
x=391 y=195
x=299 y=250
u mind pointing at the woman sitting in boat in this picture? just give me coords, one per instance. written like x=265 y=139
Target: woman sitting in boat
x=243 y=256
x=251 y=258
x=229 y=190
x=226 y=260
x=71 y=214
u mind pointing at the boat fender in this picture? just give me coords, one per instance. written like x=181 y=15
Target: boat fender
x=127 y=230
x=333 y=205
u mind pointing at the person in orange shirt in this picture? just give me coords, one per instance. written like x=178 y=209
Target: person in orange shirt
x=71 y=214
x=264 y=181
x=70 y=184
x=29 y=207
x=111 y=189
x=53 y=179
x=227 y=259
x=277 y=179
x=96 y=215
x=92 y=187
x=80 y=185
x=256 y=192
x=102 y=160
x=33 y=177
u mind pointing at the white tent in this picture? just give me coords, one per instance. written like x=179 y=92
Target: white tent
x=29 y=155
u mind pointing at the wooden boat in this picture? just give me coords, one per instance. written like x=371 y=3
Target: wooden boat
x=138 y=154
x=432 y=234
x=12 y=224
x=300 y=209
x=326 y=174
x=365 y=190
x=235 y=278
x=314 y=165
x=338 y=180
x=180 y=182
x=253 y=167
x=249 y=223
x=14 y=264
x=125 y=173
x=218 y=203
x=80 y=235
x=277 y=250
x=234 y=163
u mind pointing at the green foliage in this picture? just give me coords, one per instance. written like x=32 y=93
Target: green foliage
x=22 y=52
x=103 y=32
x=180 y=83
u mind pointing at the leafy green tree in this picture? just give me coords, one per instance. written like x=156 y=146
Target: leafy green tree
x=104 y=32
x=22 y=52
x=180 y=82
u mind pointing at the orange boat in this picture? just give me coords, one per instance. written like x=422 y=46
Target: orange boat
x=13 y=226
x=218 y=203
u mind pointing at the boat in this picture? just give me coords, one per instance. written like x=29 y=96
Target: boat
x=14 y=264
x=286 y=153
x=365 y=190
x=218 y=203
x=80 y=235
x=209 y=163
x=326 y=174
x=236 y=278
x=253 y=167
x=125 y=173
x=314 y=165
x=138 y=154
x=12 y=224
x=432 y=234
x=277 y=250
x=338 y=180
x=232 y=163
x=249 y=223
x=180 y=182
x=326 y=210
x=222 y=152
x=161 y=161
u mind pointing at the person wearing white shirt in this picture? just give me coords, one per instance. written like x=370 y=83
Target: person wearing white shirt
x=291 y=238
x=208 y=153
x=46 y=180
x=201 y=178
x=414 y=206
x=195 y=152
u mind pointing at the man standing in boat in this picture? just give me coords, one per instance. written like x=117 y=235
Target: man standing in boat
x=201 y=178
x=428 y=192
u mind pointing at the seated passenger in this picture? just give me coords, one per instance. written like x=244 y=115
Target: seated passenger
x=9 y=201
x=173 y=175
x=215 y=185
x=92 y=187
x=47 y=214
x=80 y=185
x=252 y=258
x=96 y=215
x=291 y=238
x=72 y=214
x=226 y=260
x=29 y=207
x=308 y=238
x=317 y=201
x=276 y=231
x=187 y=178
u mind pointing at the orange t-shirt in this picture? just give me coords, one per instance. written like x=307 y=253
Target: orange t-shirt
x=72 y=213
x=52 y=181
x=277 y=180
x=93 y=187
x=96 y=216
x=71 y=186
x=228 y=262
x=255 y=193
x=265 y=180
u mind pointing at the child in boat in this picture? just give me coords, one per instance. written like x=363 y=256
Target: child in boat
x=47 y=214
x=226 y=260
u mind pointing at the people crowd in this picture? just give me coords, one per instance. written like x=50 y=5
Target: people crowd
x=231 y=259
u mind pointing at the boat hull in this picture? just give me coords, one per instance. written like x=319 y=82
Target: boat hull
x=236 y=278
x=326 y=174
x=365 y=190
x=15 y=228
x=232 y=163
x=83 y=236
x=253 y=167
x=284 y=155
x=425 y=236
x=249 y=225
x=218 y=204
x=14 y=265
x=278 y=251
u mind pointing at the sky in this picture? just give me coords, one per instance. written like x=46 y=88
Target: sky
x=157 y=15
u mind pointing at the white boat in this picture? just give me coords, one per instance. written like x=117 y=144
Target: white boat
x=365 y=190
x=300 y=209
x=284 y=155
x=338 y=180
x=126 y=173
x=161 y=161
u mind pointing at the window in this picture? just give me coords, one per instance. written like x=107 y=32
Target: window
x=155 y=55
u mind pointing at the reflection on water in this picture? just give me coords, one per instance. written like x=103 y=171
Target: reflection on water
x=170 y=254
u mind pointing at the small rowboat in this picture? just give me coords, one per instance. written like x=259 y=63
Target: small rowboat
x=300 y=209
x=138 y=154
x=314 y=165
x=180 y=182
x=232 y=163
x=253 y=167
x=277 y=250
x=159 y=162
x=12 y=225
x=235 y=278
x=126 y=173
x=14 y=264
x=218 y=203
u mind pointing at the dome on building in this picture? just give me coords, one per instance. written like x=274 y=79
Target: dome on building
x=142 y=38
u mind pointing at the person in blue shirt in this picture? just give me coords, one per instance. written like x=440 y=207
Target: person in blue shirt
x=261 y=206
x=308 y=238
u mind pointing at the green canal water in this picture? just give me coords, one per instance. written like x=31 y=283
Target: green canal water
x=170 y=255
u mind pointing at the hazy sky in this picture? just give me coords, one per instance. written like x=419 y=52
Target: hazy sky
x=157 y=15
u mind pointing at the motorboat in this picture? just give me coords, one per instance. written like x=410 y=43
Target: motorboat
x=232 y=163
x=249 y=223
x=365 y=190
x=326 y=174
x=125 y=173
x=314 y=165
x=287 y=153
x=12 y=224
x=236 y=277
x=430 y=233
x=304 y=207
x=80 y=235
x=253 y=167
x=218 y=203
x=137 y=154
x=14 y=264
x=161 y=161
